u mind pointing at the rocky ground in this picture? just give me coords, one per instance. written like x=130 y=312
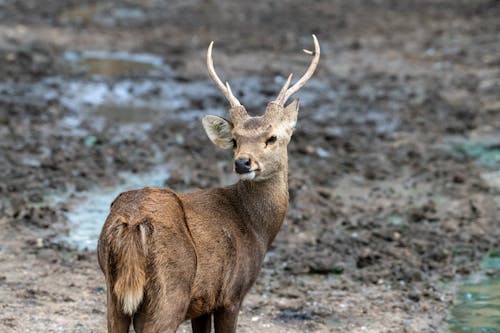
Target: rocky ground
x=394 y=183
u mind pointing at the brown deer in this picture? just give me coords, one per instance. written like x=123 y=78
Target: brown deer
x=169 y=257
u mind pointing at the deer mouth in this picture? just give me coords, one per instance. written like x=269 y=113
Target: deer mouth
x=248 y=176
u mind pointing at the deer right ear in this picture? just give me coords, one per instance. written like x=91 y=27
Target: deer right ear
x=219 y=131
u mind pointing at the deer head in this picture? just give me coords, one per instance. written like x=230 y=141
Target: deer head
x=259 y=143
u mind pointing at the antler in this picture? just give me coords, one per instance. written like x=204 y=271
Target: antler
x=225 y=89
x=286 y=92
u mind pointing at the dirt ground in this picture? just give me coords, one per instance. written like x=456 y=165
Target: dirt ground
x=394 y=183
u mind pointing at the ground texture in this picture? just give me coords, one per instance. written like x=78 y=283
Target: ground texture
x=394 y=197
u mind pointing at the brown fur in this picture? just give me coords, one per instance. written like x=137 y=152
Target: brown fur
x=169 y=257
x=201 y=252
x=252 y=123
x=162 y=268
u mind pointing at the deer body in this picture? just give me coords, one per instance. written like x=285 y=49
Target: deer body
x=169 y=257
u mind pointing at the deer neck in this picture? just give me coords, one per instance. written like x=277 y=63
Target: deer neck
x=264 y=204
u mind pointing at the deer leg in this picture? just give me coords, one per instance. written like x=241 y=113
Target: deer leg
x=225 y=320
x=162 y=312
x=139 y=318
x=202 y=324
x=118 y=322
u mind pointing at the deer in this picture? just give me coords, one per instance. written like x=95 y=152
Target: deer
x=168 y=257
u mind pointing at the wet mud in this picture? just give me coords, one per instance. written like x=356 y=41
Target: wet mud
x=394 y=165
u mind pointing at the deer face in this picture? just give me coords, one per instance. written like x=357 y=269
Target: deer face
x=259 y=143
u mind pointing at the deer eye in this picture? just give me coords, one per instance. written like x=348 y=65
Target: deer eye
x=234 y=143
x=271 y=140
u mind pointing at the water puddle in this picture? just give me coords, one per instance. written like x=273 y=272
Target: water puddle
x=82 y=14
x=116 y=63
x=486 y=152
x=127 y=103
x=477 y=309
x=105 y=14
x=88 y=210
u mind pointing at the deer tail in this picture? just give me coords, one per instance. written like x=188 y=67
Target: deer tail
x=129 y=253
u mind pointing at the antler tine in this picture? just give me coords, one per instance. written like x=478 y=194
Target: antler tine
x=283 y=90
x=232 y=100
x=283 y=97
x=226 y=90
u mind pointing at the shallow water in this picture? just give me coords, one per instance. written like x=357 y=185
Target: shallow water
x=105 y=13
x=116 y=63
x=485 y=151
x=88 y=210
x=477 y=309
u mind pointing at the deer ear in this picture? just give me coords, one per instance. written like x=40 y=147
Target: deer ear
x=219 y=131
x=290 y=114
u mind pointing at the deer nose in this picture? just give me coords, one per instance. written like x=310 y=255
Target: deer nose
x=242 y=165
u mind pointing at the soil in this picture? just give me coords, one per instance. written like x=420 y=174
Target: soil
x=391 y=203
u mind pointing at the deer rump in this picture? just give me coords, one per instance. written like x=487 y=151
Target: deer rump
x=145 y=245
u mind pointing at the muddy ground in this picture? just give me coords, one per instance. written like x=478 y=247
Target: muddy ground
x=394 y=165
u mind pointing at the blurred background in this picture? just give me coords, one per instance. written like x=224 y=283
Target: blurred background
x=394 y=166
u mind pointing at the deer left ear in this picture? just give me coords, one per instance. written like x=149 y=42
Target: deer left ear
x=219 y=131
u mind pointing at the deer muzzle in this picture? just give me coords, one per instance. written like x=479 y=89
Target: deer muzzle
x=242 y=165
